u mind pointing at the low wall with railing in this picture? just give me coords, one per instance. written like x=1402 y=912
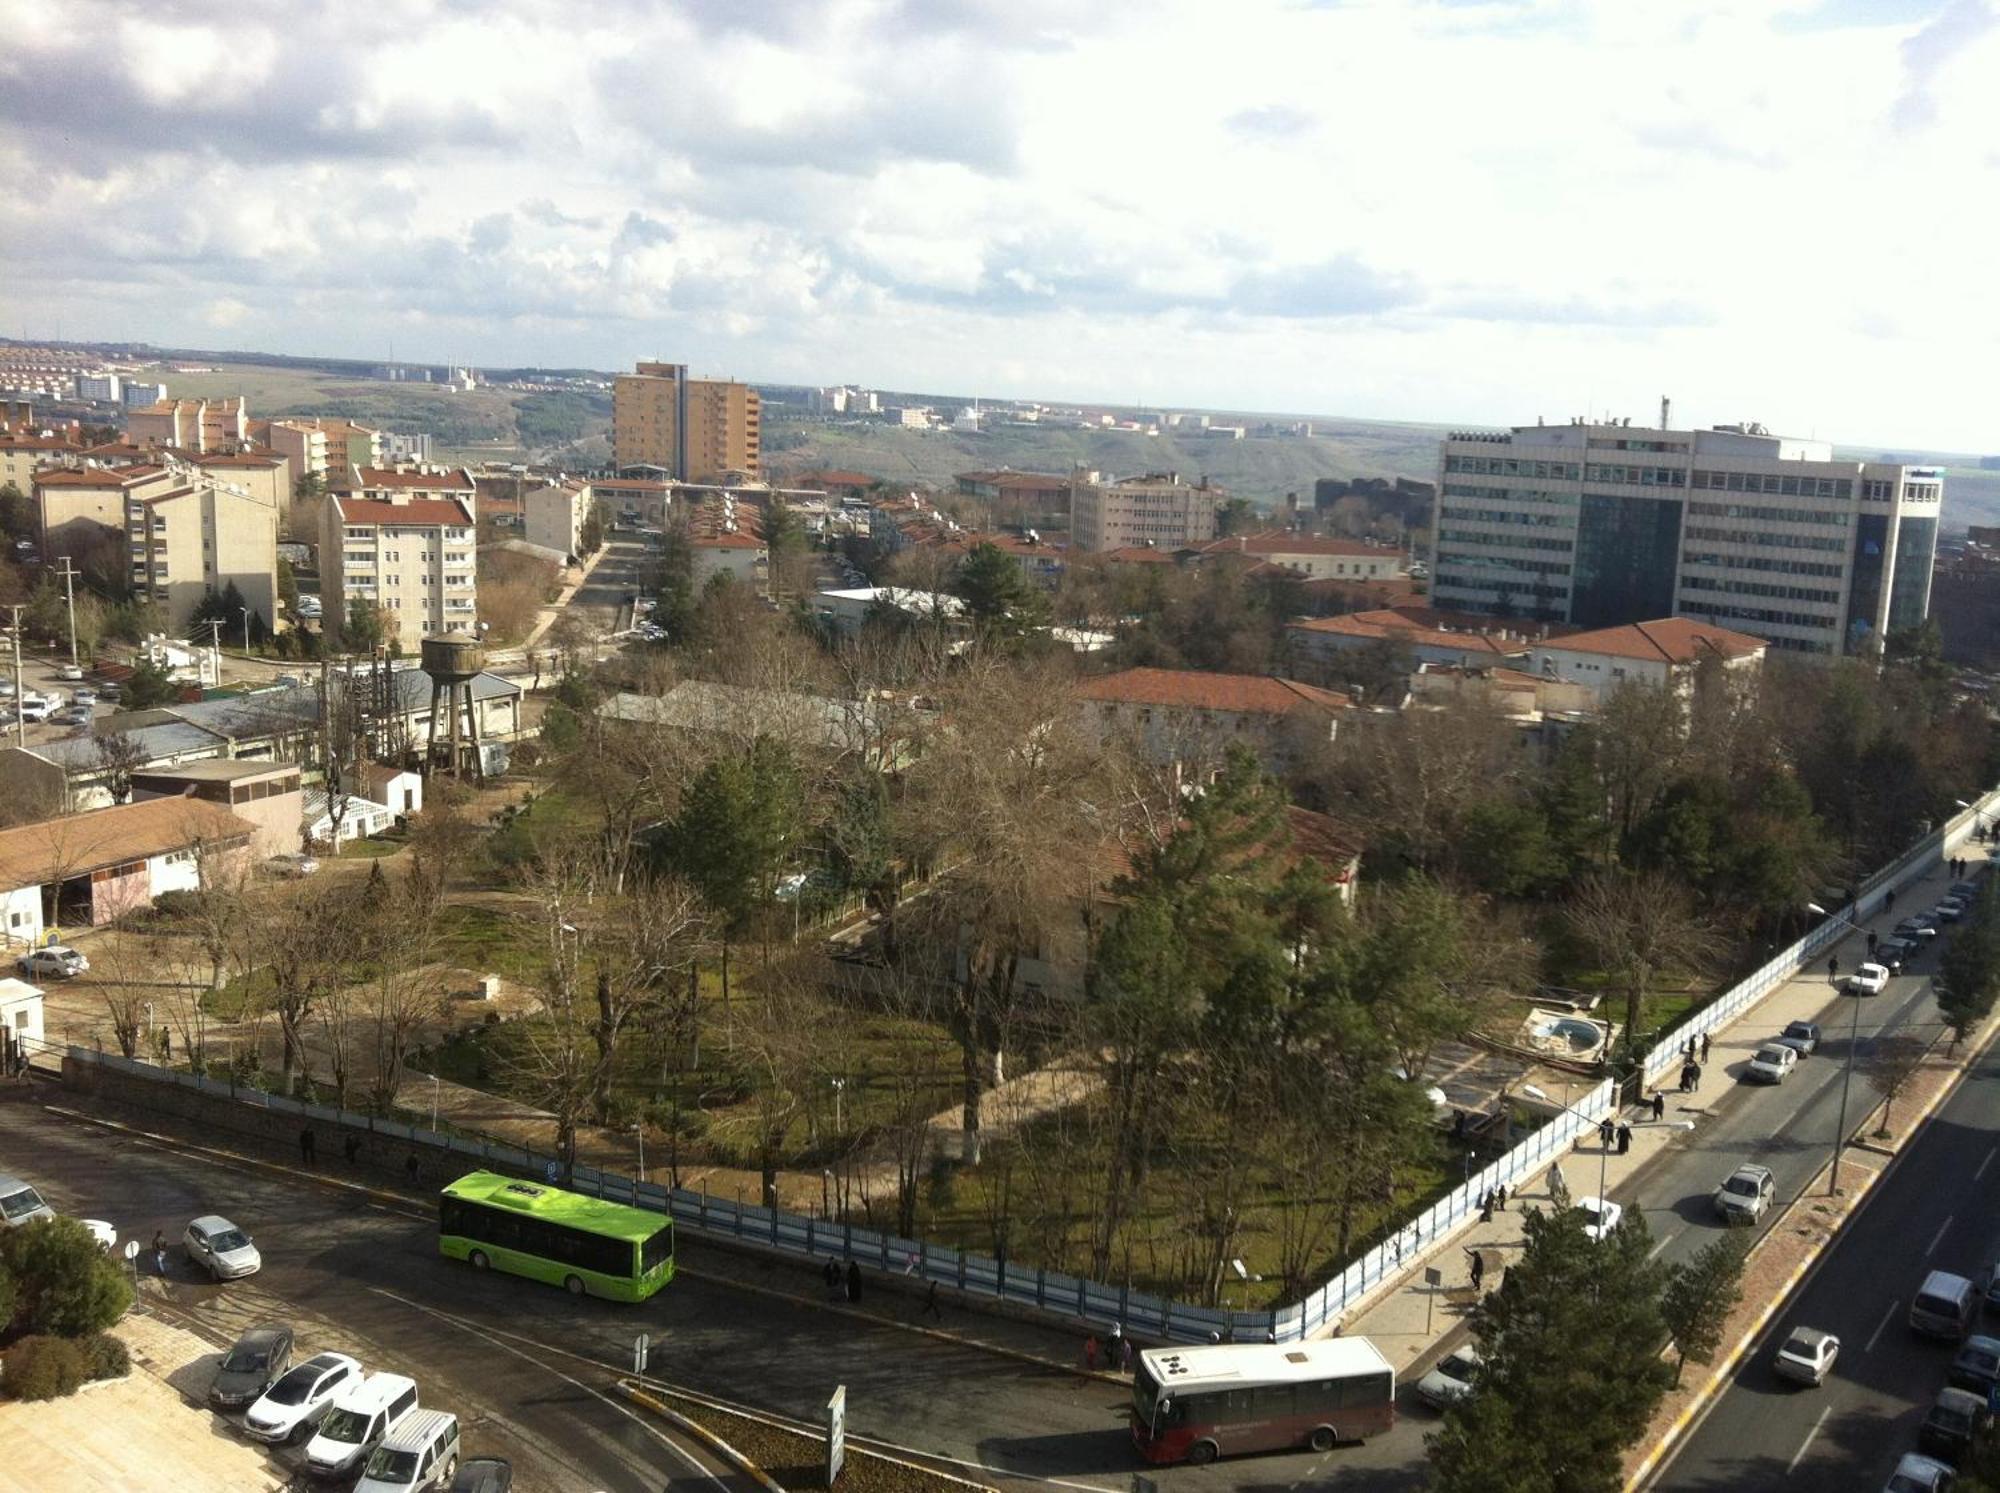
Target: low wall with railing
x=1067 y=1297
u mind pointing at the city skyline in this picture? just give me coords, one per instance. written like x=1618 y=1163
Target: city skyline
x=1432 y=212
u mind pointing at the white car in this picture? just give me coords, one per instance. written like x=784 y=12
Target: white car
x=291 y=1408
x=54 y=961
x=292 y=867
x=1806 y=1357
x=1870 y=979
x=105 y=1235
x=69 y=671
x=1450 y=1380
x=1772 y=1063
x=34 y=708
x=1745 y=1194
x=222 y=1249
x=1919 y=1474
x=1600 y=1216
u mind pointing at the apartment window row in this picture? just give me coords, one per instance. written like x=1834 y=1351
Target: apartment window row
x=1505 y=541
x=1791 y=487
x=1507 y=562
x=1766 y=614
x=1923 y=492
x=1769 y=515
x=1765 y=563
x=1638 y=476
x=1510 y=494
x=1760 y=588
x=1503 y=516
x=1764 y=539
x=1606 y=443
x=1497 y=466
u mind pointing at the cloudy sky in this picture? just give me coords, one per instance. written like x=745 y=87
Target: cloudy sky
x=1428 y=209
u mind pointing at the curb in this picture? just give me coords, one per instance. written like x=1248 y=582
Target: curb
x=701 y=1433
x=1704 y=1399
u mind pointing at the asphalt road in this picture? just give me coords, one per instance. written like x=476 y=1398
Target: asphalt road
x=618 y=577
x=1932 y=1212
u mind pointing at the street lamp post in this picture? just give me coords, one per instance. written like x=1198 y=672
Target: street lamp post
x=1847 y=1073
x=246 y=630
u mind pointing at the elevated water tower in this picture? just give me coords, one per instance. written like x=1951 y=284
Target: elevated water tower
x=453 y=660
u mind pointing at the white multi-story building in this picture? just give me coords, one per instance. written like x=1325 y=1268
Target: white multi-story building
x=405 y=550
x=98 y=388
x=1159 y=510
x=1598 y=525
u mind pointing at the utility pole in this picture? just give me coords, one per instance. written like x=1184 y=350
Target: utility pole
x=68 y=573
x=214 y=626
x=20 y=720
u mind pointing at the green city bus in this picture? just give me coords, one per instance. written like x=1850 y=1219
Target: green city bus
x=586 y=1245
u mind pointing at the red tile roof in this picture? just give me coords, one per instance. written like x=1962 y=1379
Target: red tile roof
x=1278 y=542
x=1137 y=554
x=1253 y=694
x=95 y=476
x=417 y=513
x=1672 y=640
x=458 y=481
x=1390 y=626
x=82 y=843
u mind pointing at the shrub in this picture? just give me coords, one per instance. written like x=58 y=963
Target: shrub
x=44 y=1368
x=106 y=1357
x=64 y=1283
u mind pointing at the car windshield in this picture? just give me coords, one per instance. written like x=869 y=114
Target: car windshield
x=292 y=1389
x=392 y=1466
x=1802 y=1347
x=1798 y=1029
x=19 y=1204
x=345 y=1425
x=242 y=1359
x=1456 y=1366
x=227 y=1240
x=1946 y=1419
x=1975 y=1358
x=1772 y=1054
x=1745 y=1186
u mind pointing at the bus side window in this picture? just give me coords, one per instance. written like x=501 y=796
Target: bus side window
x=1235 y=1404
x=1275 y=1400
x=1325 y=1397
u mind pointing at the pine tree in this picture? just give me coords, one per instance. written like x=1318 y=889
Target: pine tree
x=1699 y=1297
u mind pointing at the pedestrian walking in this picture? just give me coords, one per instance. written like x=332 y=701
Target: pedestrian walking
x=853 y=1280
x=1684 y=1078
x=159 y=1254
x=1478 y=1269
x=1659 y=1105
x=166 y=1045
x=410 y=1168
x=1624 y=1139
x=931 y=1303
x=305 y=1147
x=830 y=1278
x=1833 y=967
x=1873 y=939
x=1604 y=1131
x=351 y=1148
x=1486 y=1208
x=1090 y=1352
x=1694 y=1076
x=1889 y=900
x=1704 y=1047
x=1500 y=1198
x=1558 y=1188
x=1125 y=1353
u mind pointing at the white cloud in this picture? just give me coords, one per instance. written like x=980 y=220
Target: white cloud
x=1777 y=209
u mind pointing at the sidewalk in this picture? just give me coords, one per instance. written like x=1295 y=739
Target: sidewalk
x=144 y=1432
x=1411 y=1320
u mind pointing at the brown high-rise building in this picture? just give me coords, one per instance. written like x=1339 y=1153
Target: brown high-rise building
x=694 y=429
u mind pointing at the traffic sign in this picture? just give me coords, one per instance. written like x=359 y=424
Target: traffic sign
x=836 y=1433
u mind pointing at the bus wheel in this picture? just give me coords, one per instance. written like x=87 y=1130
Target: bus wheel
x=477 y=1259
x=1323 y=1439
x=1201 y=1453
x=573 y=1284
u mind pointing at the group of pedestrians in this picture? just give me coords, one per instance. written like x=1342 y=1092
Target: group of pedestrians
x=1114 y=1354
x=1610 y=1134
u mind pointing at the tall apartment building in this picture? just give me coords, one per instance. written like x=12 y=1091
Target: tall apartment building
x=406 y=549
x=301 y=443
x=1603 y=524
x=204 y=536
x=693 y=429
x=1159 y=510
x=191 y=424
x=553 y=516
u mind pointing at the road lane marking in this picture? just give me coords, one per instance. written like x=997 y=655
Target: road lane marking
x=1938 y=1237
x=1986 y=1163
x=1877 y=1333
x=625 y=1410
x=1662 y=1245
x=1799 y=1455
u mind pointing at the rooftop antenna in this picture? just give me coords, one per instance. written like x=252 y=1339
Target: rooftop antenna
x=1666 y=412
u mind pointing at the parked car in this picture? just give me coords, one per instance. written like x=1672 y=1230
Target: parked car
x=105 y=1235
x=1772 y=1063
x=1950 y=910
x=222 y=1249
x=76 y=715
x=1967 y=890
x=1919 y=1474
x=292 y=866
x=484 y=1475
x=54 y=961
x=1600 y=1216
x=1745 y=1193
x=34 y=708
x=1990 y=1285
x=359 y=1420
x=1954 y=1418
x=420 y=1454
x=1802 y=1037
x=251 y=1367
x=1976 y=1366
x=83 y=697
x=1918 y=928
x=291 y=1408
x=68 y=671
x=107 y=690
x=1893 y=953
x=20 y=1204
x=1450 y=1380
x=1806 y=1356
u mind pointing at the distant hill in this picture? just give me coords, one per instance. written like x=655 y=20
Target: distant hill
x=1262 y=469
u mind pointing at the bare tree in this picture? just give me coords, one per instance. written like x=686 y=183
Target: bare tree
x=1894 y=1060
x=1635 y=925
x=118 y=757
x=307 y=934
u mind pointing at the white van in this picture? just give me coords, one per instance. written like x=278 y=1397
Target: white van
x=358 y=1422
x=20 y=1203
x=421 y=1453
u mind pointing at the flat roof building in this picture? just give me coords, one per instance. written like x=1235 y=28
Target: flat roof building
x=1600 y=525
x=1159 y=509
x=695 y=429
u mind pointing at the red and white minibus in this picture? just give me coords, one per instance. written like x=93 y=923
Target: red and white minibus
x=1195 y=1404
